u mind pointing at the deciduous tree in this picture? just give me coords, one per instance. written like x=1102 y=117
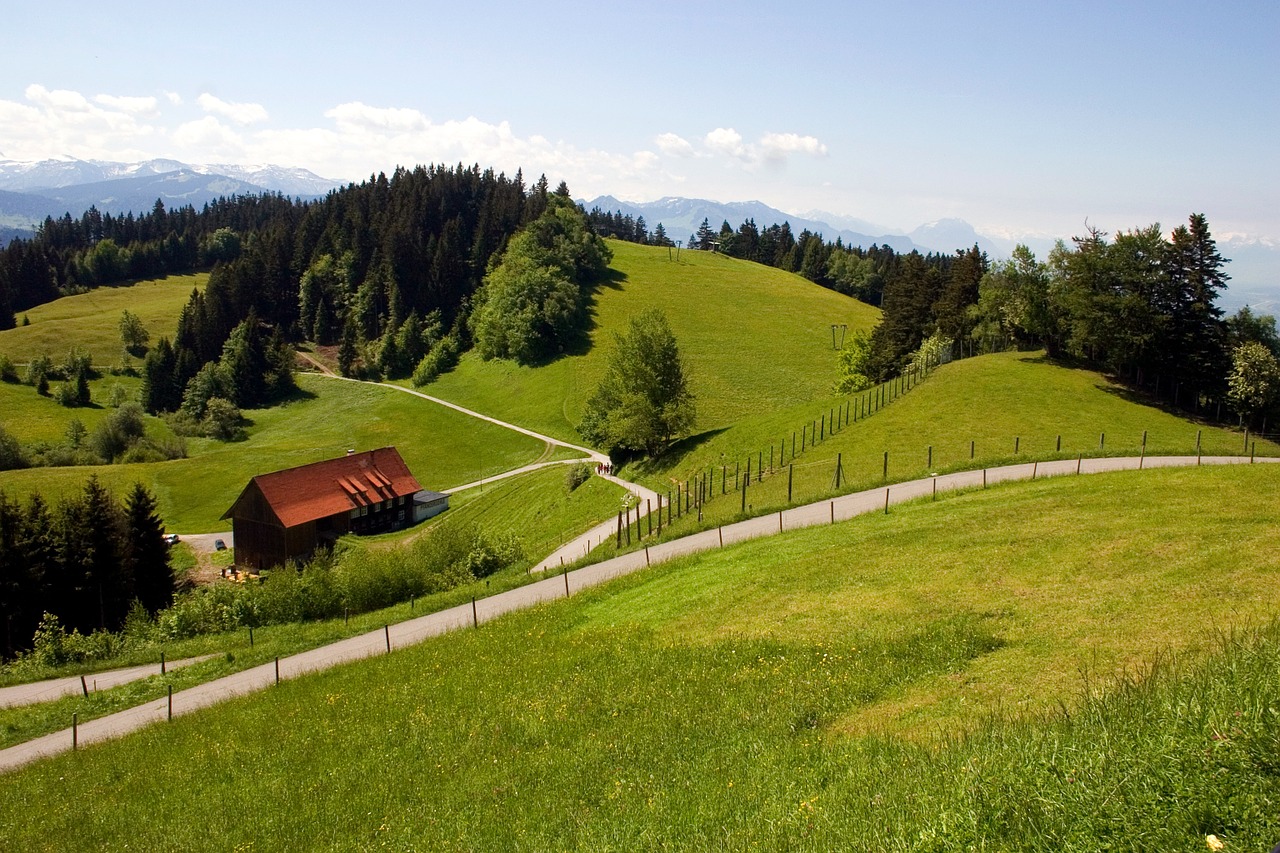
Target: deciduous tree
x=644 y=400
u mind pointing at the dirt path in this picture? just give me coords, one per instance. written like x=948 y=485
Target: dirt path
x=557 y=586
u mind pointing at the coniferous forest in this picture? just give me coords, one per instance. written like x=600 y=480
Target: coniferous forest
x=87 y=560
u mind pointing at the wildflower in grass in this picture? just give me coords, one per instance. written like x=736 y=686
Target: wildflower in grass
x=1213 y=842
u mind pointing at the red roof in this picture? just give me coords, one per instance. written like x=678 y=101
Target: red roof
x=321 y=489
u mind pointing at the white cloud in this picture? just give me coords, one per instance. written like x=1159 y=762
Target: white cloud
x=57 y=99
x=772 y=148
x=355 y=139
x=357 y=117
x=726 y=140
x=209 y=140
x=134 y=106
x=59 y=122
x=777 y=145
x=239 y=113
x=673 y=145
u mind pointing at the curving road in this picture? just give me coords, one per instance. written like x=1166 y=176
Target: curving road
x=557 y=586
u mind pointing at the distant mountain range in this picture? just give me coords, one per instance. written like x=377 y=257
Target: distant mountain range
x=30 y=191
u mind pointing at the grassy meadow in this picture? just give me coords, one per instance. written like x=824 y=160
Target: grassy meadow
x=443 y=449
x=771 y=350
x=972 y=674
x=91 y=320
x=30 y=418
x=536 y=507
x=998 y=402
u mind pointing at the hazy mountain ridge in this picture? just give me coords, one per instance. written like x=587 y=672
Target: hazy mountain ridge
x=31 y=191
x=43 y=175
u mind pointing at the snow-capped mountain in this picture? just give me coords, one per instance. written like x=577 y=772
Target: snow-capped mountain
x=41 y=176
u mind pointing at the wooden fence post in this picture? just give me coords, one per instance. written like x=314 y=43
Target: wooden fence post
x=791 y=470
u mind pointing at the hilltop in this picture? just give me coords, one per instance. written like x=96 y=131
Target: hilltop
x=754 y=339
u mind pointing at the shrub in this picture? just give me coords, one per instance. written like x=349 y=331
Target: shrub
x=441 y=358
x=577 y=475
x=11 y=454
x=8 y=373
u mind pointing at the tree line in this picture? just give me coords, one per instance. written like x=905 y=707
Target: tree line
x=87 y=559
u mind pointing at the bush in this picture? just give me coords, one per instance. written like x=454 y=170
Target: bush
x=11 y=453
x=222 y=420
x=577 y=475
x=39 y=372
x=8 y=373
x=120 y=431
x=441 y=358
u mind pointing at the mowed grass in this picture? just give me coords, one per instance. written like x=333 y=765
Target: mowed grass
x=91 y=320
x=754 y=339
x=537 y=508
x=1011 y=406
x=29 y=417
x=443 y=449
x=748 y=699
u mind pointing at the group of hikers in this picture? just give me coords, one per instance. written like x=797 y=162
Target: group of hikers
x=604 y=467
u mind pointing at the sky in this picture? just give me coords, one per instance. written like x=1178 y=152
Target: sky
x=1022 y=118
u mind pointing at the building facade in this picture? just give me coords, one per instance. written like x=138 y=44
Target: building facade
x=288 y=514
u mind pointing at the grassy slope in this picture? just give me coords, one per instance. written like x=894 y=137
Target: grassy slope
x=723 y=702
x=988 y=400
x=535 y=507
x=91 y=320
x=754 y=339
x=30 y=417
x=442 y=448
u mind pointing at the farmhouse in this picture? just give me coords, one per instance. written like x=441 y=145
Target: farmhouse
x=288 y=514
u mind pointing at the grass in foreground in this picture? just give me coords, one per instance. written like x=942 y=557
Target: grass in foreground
x=772 y=349
x=708 y=704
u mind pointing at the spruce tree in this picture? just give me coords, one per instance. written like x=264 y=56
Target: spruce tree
x=147 y=552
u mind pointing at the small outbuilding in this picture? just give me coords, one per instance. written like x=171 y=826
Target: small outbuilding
x=289 y=514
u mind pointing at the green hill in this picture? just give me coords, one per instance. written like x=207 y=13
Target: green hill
x=754 y=339
x=91 y=320
x=1010 y=406
x=748 y=698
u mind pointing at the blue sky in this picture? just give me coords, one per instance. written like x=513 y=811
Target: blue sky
x=1022 y=118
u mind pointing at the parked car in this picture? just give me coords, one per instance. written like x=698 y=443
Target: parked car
x=171 y=539
x=219 y=545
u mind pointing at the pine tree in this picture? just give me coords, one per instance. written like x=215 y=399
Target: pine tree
x=147 y=553
x=347 y=351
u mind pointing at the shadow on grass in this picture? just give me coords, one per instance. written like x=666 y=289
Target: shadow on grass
x=580 y=343
x=676 y=453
